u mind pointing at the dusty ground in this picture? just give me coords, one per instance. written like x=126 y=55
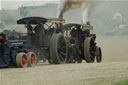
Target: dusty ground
x=114 y=68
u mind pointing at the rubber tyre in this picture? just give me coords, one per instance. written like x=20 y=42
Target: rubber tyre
x=32 y=59
x=56 y=47
x=87 y=47
x=98 y=54
x=21 y=60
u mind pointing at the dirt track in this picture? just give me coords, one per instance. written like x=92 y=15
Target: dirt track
x=113 y=69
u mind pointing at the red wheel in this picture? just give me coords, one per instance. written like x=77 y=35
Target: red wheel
x=22 y=60
x=32 y=59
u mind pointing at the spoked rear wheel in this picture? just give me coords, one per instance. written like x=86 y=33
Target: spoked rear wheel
x=89 y=51
x=21 y=60
x=58 y=49
x=98 y=54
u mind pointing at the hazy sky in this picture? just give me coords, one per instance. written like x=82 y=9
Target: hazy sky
x=14 y=4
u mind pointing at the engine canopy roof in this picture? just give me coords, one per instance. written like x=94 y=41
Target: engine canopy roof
x=38 y=20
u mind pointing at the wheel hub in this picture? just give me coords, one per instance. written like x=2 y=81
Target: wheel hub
x=24 y=60
x=33 y=59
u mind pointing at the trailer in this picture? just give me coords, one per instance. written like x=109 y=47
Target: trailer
x=81 y=43
x=13 y=53
x=45 y=38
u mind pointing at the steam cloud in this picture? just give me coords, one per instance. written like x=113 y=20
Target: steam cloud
x=66 y=5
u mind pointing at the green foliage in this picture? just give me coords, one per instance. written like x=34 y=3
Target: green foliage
x=122 y=83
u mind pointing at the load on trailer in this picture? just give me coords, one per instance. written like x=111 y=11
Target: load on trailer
x=45 y=38
x=13 y=52
x=81 y=43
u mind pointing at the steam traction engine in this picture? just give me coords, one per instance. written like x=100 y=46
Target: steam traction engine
x=46 y=39
x=81 y=44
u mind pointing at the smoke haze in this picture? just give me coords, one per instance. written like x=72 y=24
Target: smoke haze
x=66 y=5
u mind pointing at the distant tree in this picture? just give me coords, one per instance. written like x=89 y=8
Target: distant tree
x=7 y=18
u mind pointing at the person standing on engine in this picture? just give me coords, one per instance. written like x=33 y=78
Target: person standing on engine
x=39 y=31
x=30 y=37
x=29 y=29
